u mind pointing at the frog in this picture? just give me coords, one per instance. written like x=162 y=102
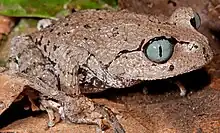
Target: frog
x=91 y=51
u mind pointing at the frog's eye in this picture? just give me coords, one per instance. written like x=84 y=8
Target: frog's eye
x=159 y=49
x=196 y=20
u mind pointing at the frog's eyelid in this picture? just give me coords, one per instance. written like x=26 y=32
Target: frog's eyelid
x=171 y=39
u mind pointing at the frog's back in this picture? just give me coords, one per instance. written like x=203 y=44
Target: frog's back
x=101 y=33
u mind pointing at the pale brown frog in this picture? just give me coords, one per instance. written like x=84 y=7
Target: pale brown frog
x=91 y=51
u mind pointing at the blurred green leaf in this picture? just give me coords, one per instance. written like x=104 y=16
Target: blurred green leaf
x=113 y=3
x=49 y=8
x=32 y=8
x=85 y=4
x=2 y=63
x=93 y=4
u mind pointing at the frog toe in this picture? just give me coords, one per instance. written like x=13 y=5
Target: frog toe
x=182 y=88
x=51 y=109
x=80 y=109
x=110 y=118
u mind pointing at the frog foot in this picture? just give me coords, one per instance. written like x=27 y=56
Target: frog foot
x=181 y=87
x=51 y=107
x=145 y=90
x=80 y=109
x=110 y=118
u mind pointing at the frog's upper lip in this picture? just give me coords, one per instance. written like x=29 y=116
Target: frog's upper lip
x=190 y=69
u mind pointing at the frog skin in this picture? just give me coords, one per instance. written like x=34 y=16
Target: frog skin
x=93 y=50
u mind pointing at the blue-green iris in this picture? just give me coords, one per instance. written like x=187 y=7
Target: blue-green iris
x=159 y=49
x=196 y=20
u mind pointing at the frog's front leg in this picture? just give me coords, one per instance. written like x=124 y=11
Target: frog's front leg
x=57 y=82
x=53 y=109
x=181 y=87
x=75 y=108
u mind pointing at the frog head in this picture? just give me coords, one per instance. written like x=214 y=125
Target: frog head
x=163 y=49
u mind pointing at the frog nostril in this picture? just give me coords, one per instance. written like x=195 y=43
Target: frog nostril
x=171 y=68
x=196 y=46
